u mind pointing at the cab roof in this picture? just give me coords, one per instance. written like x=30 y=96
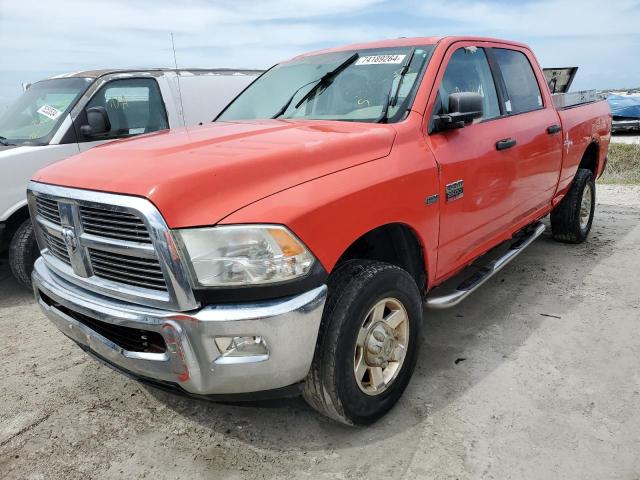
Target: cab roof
x=409 y=42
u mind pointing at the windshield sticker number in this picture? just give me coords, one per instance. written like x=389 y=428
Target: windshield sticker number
x=380 y=59
x=49 y=112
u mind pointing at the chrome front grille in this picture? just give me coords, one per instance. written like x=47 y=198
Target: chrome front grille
x=113 y=224
x=112 y=244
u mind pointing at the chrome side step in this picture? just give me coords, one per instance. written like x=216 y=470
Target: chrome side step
x=438 y=299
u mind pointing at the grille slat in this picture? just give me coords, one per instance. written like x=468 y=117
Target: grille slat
x=108 y=256
x=141 y=238
x=126 y=279
x=57 y=247
x=135 y=229
x=48 y=209
x=155 y=274
x=126 y=269
x=87 y=217
x=111 y=224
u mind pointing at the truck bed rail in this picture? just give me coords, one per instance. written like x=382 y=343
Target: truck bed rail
x=563 y=101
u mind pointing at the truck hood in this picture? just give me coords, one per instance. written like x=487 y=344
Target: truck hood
x=197 y=176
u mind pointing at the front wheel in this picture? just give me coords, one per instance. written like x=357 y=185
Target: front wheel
x=368 y=342
x=571 y=220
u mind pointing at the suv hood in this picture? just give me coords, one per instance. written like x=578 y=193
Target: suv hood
x=199 y=176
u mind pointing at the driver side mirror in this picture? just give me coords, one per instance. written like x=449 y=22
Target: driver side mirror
x=464 y=108
x=98 y=123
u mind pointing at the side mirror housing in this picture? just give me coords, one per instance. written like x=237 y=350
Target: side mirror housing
x=98 y=123
x=464 y=108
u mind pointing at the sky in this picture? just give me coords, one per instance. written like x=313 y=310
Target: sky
x=41 y=38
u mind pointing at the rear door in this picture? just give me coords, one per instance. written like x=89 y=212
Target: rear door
x=535 y=128
x=477 y=180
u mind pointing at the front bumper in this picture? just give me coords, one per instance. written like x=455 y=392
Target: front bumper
x=192 y=360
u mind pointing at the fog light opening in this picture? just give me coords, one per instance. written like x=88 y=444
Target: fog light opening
x=241 y=349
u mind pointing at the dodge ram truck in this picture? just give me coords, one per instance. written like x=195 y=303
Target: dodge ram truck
x=293 y=244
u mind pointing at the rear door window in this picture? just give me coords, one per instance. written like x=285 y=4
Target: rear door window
x=522 y=87
x=134 y=106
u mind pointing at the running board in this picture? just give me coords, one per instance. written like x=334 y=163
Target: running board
x=440 y=300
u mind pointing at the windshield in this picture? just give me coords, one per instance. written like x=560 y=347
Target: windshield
x=34 y=118
x=356 y=87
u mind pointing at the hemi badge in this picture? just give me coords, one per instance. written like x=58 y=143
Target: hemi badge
x=431 y=199
x=454 y=190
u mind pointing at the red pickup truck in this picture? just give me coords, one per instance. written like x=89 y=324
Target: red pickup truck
x=292 y=244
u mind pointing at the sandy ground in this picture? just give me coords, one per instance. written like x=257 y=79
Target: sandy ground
x=535 y=376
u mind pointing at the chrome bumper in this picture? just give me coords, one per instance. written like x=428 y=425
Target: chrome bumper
x=192 y=360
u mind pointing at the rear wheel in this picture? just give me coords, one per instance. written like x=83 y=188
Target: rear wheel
x=368 y=342
x=571 y=220
x=23 y=252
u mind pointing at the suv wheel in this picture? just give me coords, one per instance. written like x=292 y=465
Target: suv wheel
x=23 y=253
x=368 y=342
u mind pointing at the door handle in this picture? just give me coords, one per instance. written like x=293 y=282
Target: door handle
x=553 y=129
x=506 y=143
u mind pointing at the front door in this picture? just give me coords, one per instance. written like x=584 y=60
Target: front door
x=477 y=175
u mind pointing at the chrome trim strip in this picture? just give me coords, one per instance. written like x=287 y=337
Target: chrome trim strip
x=437 y=301
x=123 y=247
x=179 y=295
x=51 y=228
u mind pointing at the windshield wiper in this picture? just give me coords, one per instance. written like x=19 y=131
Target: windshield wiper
x=391 y=100
x=327 y=79
x=323 y=81
x=286 y=105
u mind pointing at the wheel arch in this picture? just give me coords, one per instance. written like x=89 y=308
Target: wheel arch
x=395 y=243
x=591 y=157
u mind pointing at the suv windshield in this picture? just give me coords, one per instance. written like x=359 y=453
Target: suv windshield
x=357 y=87
x=34 y=118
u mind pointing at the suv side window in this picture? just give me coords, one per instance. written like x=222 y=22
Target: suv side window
x=521 y=84
x=468 y=71
x=134 y=106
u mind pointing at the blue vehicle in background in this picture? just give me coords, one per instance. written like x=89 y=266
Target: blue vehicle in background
x=626 y=112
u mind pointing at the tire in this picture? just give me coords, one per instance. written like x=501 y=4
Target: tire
x=569 y=220
x=331 y=386
x=23 y=252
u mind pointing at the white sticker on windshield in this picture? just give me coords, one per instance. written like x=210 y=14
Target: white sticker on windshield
x=49 y=111
x=380 y=59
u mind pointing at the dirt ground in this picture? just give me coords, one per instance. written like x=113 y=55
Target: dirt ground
x=535 y=376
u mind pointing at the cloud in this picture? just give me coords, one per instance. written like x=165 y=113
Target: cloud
x=58 y=34
x=43 y=37
x=541 y=18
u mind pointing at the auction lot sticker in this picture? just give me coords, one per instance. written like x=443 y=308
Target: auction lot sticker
x=49 y=111
x=380 y=59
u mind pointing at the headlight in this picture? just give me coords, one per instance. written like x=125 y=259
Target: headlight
x=245 y=255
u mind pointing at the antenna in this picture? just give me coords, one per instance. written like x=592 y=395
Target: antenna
x=175 y=62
